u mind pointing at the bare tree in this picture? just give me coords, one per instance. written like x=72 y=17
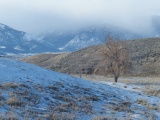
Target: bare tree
x=116 y=56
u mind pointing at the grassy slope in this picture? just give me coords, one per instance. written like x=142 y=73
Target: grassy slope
x=30 y=92
x=145 y=54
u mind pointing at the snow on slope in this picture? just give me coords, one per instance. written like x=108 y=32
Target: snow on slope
x=19 y=42
x=92 y=35
x=2 y=26
x=28 y=91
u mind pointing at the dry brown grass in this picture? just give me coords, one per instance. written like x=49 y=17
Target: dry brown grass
x=122 y=106
x=13 y=101
x=153 y=92
x=11 y=116
x=151 y=80
x=45 y=60
x=146 y=104
x=142 y=102
x=150 y=84
x=9 y=85
x=63 y=103
x=60 y=116
x=144 y=55
x=103 y=118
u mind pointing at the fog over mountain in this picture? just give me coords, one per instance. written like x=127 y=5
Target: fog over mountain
x=18 y=42
x=39 y=16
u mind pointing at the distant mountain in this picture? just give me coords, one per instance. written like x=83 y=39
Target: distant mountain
x=88 y=36
x=155 y=25
x=17 y=42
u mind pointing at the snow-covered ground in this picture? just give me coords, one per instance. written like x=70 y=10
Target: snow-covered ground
x=30 y=92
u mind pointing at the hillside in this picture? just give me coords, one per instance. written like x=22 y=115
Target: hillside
x=144 y=54
x=45 y=60
x=30 y=92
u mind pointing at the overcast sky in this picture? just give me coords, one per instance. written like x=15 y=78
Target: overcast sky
x=35 y=16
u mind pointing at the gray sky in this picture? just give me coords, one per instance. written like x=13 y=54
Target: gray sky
x=35 y=16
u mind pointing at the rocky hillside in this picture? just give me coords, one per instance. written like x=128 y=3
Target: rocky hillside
x=144 y=54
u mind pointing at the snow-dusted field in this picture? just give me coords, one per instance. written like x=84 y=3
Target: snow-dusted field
x=30 y=92
x=143 y=83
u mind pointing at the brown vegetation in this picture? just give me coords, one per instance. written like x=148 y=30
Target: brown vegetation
x=115 y=56
x=145 y=59
x=13 y=101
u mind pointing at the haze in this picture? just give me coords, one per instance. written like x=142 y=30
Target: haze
x=36 y=16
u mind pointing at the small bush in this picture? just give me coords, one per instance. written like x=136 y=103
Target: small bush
x=122 y=106
x=2 y=98
x=56 y=116
x=9 y=85
x=10 y=116
x=104 y=118
x=13 y=101
x=142 y=102
x=153 y=92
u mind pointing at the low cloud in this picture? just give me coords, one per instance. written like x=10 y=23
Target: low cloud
x=35 y=16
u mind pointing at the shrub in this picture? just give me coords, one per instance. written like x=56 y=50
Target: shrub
x=13 y=101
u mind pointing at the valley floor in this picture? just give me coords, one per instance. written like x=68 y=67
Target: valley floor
x=147 y=85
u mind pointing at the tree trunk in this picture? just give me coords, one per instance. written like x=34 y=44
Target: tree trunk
x=116 y=78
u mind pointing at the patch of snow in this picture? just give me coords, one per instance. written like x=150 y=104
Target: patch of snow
x=10 y=54
x=61 y=48
x=2 y=26
x=59 y=33
x=11 y=35
x=18 y=48
x=28 y=37
x=17 y=70
x=33 y=47
x=83 y=36
x=124 y=86
x=3 y=47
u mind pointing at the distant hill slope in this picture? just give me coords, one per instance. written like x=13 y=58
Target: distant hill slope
x=45 y=60
x=144 y=53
